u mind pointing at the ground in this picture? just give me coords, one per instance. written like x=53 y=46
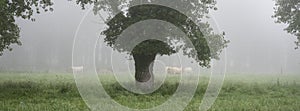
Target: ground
x=58 y=92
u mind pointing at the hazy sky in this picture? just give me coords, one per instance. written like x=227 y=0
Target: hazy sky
x=257 y=43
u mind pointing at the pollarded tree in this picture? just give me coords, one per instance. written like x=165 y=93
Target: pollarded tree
x=288 y=12
x=123 y=14
x=12 y=9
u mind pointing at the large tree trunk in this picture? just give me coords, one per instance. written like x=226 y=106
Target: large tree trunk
x=144 y=70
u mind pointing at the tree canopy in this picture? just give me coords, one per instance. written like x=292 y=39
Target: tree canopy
x=12 y=9
x=288 y=12
x=123 y=14
x=200 y=32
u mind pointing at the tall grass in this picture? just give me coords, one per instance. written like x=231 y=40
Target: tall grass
x=58 y=92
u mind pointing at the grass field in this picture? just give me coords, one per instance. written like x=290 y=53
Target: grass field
x=58 y=92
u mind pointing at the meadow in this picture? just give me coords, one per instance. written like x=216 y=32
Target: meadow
x=58 y=92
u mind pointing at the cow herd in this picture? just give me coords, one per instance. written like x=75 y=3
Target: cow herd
x=168 y=69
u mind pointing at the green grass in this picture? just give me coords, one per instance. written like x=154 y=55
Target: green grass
x=58 y=92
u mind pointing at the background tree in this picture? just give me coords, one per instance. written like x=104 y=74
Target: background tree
x=288 y=12
x=12 y=9
x=208 y=45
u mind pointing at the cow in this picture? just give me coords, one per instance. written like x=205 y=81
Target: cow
x=188 y=70
x=178 y=70
x=77 y=69
x=173 y=70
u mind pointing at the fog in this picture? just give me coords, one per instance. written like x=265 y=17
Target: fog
x=257 y=43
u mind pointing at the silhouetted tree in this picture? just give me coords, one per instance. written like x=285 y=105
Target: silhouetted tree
x=208 y=44
x=288 y=12
x=12 y=9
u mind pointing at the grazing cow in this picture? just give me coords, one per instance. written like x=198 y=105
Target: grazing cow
x=188 y=70
x=77 y=69
x=173 y=70
x=178 y=70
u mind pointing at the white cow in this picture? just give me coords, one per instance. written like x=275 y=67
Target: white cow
x=173 y=70
x=188 y=70
x=77 y=69
x=178 y=70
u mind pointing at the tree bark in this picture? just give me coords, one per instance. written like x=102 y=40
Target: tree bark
x=144 y=70
x=143 y=67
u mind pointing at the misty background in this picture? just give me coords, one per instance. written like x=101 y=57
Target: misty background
x=257 y=43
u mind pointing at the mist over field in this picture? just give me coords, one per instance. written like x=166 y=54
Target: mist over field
x=150 y=54
x=257 y=43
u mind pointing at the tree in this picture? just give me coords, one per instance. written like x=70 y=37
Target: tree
x=208 y=45
x=12 y=9
x=288 y=12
